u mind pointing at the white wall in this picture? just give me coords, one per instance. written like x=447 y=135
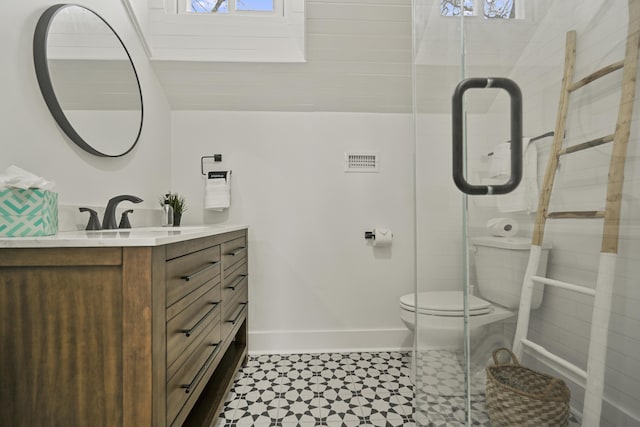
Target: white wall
x=438 y=206
x=314 y=282
x=30 y=138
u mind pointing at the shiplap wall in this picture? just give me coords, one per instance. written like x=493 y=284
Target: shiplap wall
x=358 y=59
x=220 y=37
x=562 y=323
x=491 y=48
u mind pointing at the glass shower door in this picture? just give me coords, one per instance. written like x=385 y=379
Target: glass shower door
x=525 y=43
x=439 y=364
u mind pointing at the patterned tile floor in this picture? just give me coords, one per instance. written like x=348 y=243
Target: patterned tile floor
x=327 y=389
x=353 y=390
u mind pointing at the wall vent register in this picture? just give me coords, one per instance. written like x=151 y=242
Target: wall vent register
x=361 y=162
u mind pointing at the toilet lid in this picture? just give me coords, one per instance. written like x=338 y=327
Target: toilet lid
x=445 y=303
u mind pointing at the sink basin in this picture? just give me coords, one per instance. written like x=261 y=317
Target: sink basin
x=179 y=228
x=152 y=229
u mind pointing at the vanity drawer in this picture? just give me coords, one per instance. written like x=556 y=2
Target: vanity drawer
x=189 y=272
x=177 y=307
x=234 y=252
x=236 y=279
x=185 y=328
x=192 y=374
x=234 y=310
x=211 y=332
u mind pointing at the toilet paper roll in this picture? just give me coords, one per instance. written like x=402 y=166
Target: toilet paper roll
x=382 y=237
x=502 y=227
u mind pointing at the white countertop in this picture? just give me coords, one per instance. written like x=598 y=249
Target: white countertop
x=140 y=236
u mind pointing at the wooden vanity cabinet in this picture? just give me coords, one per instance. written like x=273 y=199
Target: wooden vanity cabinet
x=122 y=336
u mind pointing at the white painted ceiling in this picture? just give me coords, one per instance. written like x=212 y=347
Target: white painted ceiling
x=358 y=60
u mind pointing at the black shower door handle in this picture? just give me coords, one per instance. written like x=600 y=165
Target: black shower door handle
x=516 y=135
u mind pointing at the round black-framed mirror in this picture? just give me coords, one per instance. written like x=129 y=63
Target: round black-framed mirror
x=88 y=80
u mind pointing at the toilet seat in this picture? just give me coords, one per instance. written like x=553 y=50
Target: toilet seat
x=445 y=303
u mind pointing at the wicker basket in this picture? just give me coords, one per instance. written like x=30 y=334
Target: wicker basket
x=519 y=396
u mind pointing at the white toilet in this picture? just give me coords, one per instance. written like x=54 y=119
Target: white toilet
x=500 y=264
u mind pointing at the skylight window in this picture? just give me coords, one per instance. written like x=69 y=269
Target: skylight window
x=255 y=5
x=231 y=6
x=456 y=7
x=490 y=9
x=501 y=9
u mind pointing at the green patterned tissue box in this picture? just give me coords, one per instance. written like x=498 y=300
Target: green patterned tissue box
x=25 y=213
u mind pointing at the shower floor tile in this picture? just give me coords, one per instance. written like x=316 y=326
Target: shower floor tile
x=440 y=391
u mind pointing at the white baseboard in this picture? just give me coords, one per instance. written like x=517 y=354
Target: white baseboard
x=329 y=341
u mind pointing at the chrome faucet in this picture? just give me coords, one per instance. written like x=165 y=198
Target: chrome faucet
x=109 y=220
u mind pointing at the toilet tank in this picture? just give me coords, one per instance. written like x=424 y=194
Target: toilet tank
x=500 y=264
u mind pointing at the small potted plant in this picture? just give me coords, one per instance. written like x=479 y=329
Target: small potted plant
x=177 y=203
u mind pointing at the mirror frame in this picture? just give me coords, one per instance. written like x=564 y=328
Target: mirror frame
x=46 y=85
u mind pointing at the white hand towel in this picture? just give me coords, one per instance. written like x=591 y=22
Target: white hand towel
x=218 y=192
x=525 y=197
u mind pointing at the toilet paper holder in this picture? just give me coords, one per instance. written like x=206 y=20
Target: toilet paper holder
x=215 y=157
x=379 y=237
x=371 y=235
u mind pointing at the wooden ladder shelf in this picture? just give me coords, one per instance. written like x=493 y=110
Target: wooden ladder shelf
x=593 y=378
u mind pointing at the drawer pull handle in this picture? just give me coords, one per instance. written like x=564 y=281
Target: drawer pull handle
x=202 y=370
x=233 y=321
x=210 y=265
x=236 y=282
x=237 y=251
x=188 y=332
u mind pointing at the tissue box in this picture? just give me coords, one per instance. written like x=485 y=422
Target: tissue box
x=25 y=213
